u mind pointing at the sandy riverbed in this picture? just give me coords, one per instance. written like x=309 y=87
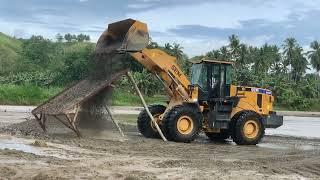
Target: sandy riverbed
x=104 y=156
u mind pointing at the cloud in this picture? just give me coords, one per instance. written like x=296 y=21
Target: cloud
x=198 y=25
x=302 y=28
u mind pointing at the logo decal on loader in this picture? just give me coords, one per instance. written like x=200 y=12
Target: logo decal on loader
x=175 y=69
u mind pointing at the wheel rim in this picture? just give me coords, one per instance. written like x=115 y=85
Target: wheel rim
x=157 y=119
x=185 y=125
x=251 y=129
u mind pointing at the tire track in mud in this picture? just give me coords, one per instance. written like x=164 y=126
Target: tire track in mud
x=309 y=170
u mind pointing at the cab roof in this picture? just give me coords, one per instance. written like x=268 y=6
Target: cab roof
x=212 y=61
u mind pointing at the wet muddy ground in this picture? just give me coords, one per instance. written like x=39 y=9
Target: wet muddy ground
x=105 y=155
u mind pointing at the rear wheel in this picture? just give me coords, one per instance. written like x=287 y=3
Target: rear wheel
x=182 y=123
x=248 y=129
x=224 y=134
x=145 y=125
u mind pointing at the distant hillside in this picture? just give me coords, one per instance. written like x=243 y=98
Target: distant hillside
x=8 y=52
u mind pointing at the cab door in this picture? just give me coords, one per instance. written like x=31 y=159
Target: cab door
x=219 y=80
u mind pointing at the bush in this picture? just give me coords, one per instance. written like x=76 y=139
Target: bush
x=43 y=78
x=26 y=94
x=148 y=84
x=121 y=97
x=297 y=96
x=76 y=63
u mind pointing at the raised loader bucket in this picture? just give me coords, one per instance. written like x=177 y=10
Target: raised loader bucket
x=123 y=36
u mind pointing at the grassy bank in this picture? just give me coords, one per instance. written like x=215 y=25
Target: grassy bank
x=34 y=95
x=25 y=94
x=314 y=108
x=122 y=98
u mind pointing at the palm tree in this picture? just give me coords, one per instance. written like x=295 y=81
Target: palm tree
x=68 y=37
x=168 y=46
x=243 y=53
x=293 y=57
x=224 y=53
x=177 y=51
x=234 y=45
x=59 y=37
x=314 y=55
x=276 y=61
x=289 y=51
x=214 y=54
x=300 y=64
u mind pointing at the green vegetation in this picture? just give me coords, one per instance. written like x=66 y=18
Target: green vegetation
x=125 y=98
x=26 y=94
x=8 y=53
x=32 y=70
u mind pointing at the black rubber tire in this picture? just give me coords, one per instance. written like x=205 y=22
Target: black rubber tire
x=238 y=134
x=170 y=123
x=223 y=135
x=144 y=121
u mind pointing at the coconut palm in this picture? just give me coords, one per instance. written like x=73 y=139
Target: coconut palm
x=177 y=51
x=314 y=55
x=214 y=54
x=299 y=65
x=234 y=45
x=243 y=55
x=289 y=50
x=293 y=57
x=168 y=46
x=224 y=53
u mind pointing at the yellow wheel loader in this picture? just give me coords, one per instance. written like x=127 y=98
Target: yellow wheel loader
x=208 y=103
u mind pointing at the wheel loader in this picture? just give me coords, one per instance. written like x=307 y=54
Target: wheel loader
x=207 y=103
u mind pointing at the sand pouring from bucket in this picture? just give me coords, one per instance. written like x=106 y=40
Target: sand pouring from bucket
x=123 y=36
x=109 y=64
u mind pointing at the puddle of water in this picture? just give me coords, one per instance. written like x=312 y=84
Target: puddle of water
x=298 y=126
x=54 y=150
x=272 y=146
x=288 y=146
x=307 y=147
x=7 y=142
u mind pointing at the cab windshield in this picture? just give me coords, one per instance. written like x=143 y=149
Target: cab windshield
x=199 y=75
x=212 y=77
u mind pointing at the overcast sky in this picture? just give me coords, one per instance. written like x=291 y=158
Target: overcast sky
x=199 y=25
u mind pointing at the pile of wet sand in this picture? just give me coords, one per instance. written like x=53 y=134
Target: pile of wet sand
x=99 y=127
x=27 y=128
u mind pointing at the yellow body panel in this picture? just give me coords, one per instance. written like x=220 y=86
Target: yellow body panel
x=248 y=100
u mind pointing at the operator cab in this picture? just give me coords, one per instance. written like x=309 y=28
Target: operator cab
x=213 y=79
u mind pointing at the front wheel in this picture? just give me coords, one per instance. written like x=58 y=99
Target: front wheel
x=182 y=123
x=145 y=125
x=248 y=129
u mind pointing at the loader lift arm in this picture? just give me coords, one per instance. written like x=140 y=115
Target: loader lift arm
x=165 y=67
